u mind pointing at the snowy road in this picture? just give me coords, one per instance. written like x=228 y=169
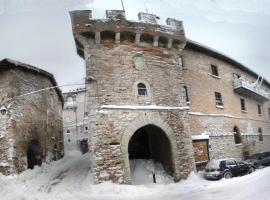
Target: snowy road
x=70 y=178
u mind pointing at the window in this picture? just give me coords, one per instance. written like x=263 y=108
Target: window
x=259 y=109
x=237 y=136
x=186 y=91
x=230 y=162
x=243 y=104
x=86 y=128
x=218 y=99
x=142 y=89
x=68 y=131
x=260 y=135
x=214 y=70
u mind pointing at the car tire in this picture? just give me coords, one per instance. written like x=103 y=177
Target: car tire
x=251 y=170
x=227 y=175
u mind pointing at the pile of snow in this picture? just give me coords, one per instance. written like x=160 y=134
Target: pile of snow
x=142 y=172
x=70 y=179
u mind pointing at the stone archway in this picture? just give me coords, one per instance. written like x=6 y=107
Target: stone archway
x=151 y=143
x=142 y=121
x=34 y=154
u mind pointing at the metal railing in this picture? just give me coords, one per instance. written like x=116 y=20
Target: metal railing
x=240 y=82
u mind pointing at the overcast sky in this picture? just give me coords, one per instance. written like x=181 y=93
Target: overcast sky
x=39 y=32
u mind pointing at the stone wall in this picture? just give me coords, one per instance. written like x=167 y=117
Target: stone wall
x=112 y=130
x=31 y=117
x=120 y=54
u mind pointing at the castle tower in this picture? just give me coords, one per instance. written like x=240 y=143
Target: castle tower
x=136 y=93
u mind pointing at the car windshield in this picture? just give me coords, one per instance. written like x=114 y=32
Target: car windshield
x=255 y=156
x=213 y=164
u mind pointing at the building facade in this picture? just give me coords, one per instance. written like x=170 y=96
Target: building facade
x=75 y=121
x=153 y=94
x=31 y=117
x=136 y=103
x=229 y=105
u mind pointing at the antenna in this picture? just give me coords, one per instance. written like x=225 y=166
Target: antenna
x=123 y=5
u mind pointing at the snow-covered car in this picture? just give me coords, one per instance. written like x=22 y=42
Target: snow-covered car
x=227 y=168
x=259 y=159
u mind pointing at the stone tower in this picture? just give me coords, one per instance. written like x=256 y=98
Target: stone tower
x=136 y=106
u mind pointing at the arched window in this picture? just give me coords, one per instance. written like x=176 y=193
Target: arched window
x=142 y=91
x=260 y=135
x=237 y=136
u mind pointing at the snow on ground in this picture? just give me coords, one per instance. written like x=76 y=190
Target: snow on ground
x=70 y=179
x=142 y=172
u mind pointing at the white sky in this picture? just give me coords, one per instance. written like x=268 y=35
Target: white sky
x=39 y=32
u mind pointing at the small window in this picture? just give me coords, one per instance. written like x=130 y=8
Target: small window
x=218 y=97
x=243 y=104
x=186 y=91
x=214 y=70
x=68 y=131
x=142 y=89
x=86 y=128
x=259 y=109
x=260 y=135
x=237 y=135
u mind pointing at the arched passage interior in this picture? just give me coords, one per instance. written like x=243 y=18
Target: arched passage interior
x=34 y=154
x=151 y=142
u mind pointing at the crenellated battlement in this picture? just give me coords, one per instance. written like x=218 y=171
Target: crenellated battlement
x=117 y=28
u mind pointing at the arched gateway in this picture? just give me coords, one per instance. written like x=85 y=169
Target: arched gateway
x=151 y=142
x=160 y=143
x=34 y=154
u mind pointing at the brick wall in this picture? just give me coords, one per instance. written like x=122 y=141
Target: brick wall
x=206 y=118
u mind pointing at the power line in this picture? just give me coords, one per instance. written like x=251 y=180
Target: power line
x=44 y=89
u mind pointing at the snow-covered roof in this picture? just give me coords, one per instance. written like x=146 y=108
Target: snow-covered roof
x=9 y=63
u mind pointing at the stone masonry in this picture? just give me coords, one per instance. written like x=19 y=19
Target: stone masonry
x=31 y=123
x=121 y=55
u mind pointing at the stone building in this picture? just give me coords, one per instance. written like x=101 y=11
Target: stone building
x=229 y=105
x=31 y=118
x=153 y=94
x=75 y=120
x=136 y=100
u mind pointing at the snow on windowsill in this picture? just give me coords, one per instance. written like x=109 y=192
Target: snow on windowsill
x=219 y=107
x=200 y=137
x=238 y=145
x=214 y=76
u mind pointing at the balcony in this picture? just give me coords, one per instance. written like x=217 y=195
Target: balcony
x=250 y=89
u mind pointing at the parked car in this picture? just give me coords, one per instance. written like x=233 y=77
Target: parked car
x=227 y=168
x=259 y=159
